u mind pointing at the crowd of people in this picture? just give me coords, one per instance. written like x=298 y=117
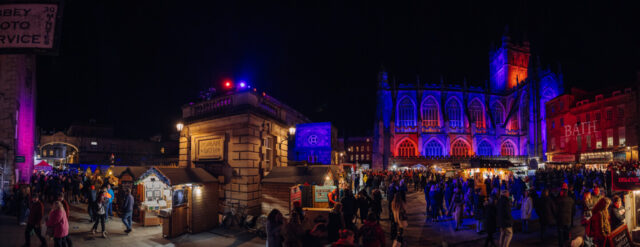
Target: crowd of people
x=58 y=190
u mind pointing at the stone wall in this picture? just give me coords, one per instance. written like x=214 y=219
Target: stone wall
x=204 y=216
x=276 y=196
x=244 y=153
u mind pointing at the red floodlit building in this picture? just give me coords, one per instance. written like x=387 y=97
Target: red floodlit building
x=592 y=129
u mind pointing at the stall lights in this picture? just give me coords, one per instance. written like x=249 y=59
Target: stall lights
x=327 y=178
x=198 y=191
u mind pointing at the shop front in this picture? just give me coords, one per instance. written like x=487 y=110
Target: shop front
x=627 y=185
x=596 y=160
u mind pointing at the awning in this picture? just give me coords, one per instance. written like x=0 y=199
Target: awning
x=482 y=163
x=43 y=166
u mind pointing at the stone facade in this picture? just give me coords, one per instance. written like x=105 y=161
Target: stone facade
x=238 y=138
x=17 y=116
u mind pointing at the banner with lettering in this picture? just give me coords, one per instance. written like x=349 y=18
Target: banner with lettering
x=29 y=27
x=625 y=181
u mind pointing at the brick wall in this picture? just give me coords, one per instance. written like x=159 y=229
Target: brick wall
x=204 y=211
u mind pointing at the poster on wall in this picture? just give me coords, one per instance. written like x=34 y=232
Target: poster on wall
x=296 y=196
x=30 y=27
x=322 y=192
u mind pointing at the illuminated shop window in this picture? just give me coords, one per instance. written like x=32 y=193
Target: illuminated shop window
x=484 y=148
x=621 y=136
x=508 y=149
x=609 y=138
x=406 y=113
x=430 y=113
x=433 y=148
x=454 y=112
x=459 y=148
x=406 y=149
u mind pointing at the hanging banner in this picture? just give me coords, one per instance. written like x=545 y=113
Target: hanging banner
x=29 y=27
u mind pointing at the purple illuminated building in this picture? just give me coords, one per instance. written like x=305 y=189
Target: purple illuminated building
x=316 y=143
x=427 y=123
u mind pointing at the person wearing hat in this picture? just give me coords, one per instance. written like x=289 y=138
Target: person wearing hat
x=564 y=204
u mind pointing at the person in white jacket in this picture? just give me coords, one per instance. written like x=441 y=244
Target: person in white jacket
x=526 y=209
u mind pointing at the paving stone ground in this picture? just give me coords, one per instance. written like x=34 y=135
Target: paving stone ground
x=419 y=233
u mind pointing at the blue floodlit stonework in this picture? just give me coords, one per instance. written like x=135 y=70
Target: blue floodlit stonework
x=439 y=121
x=315 y=143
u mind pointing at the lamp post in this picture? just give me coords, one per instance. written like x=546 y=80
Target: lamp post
x=292 y=132
x=180 y=127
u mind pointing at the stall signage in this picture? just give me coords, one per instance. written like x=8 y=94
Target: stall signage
x=620 y=237
x=28 y=26
x=211 y=148
x=296 y=196
x=563 y=158
x=322 y=193
x=625 y=181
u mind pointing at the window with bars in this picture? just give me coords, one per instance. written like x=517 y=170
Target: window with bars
x=476 y=112
x=406 y=113
x=430 y=113
x=620 y=113
x=609 y=114
x=598 y=140
x=459 y=148
x=268 y=154
x=484 y=149
x=508 y=149
x=621 y=136
x=454 y=112
x=406 y=149
x=433 y=148
x=609 y=138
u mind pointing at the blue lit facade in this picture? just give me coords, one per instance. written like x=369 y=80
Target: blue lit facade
x=316 y=143
x=422 y=122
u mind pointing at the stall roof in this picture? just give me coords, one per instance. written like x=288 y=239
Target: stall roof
x=300 y=174
x=178 y=176
x=135 y=171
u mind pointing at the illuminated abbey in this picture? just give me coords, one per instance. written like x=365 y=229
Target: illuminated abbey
x=426 y=123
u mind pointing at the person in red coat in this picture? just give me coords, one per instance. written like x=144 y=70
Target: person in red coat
x=65 y=204
x=371 y=233
x=598 y=226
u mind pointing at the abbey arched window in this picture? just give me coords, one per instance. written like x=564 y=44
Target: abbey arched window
x=430 y=113
x=476 y=112
x=454 y=112
x=433 y=148
x=406 y=149
x=406 y=113
x=508 y=149
x=498 y=113
x=459 y=148
x=484 y=149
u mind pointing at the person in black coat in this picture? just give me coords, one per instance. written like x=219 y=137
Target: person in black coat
x=336 y=222
x=504 y=218
x=616 y=212
x=564 y=205
x=490 y=219
x=348 y=208
x=364 y=202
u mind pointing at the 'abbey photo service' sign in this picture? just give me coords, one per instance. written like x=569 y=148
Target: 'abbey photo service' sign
x=29 y=27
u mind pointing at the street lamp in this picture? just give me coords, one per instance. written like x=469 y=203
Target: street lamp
x=292 y=131
x=179 y=126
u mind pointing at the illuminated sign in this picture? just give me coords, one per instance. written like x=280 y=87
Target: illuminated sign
x=562 y=158
x=581 y=129
x=625 y=181
x=30 y=26
x=322 y=193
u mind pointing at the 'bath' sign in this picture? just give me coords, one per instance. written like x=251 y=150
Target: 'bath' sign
x=211 y=148
x=581 y=128
x=28 y=26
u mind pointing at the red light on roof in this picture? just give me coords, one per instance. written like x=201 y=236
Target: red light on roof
x=227 y=84
x=264 y=94
x=254 y=89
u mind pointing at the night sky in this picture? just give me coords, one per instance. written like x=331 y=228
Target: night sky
x=133 y=64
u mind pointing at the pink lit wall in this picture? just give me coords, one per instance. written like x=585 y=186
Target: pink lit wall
x=25 y=129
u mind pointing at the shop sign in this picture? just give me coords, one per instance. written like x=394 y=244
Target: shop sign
x=211 y=148
x=562 y=158
x=321 y=193
x=296 y=196
x=625 y=181
x=29 y=27
x=620 y=237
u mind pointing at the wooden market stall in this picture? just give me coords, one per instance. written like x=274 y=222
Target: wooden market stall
x=481 y=169
x=193 y=207
x=152 y=193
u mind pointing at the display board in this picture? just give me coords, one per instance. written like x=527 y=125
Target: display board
x=625 y=181
x=30 y=27
x=321 y=193
x=620 y=237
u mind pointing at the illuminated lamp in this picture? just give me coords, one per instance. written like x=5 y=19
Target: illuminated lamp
x=243 y=84
x=227 y=84
x=254 y=89
x=264 y=94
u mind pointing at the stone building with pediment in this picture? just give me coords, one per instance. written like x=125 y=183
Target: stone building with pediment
x=239 y=138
